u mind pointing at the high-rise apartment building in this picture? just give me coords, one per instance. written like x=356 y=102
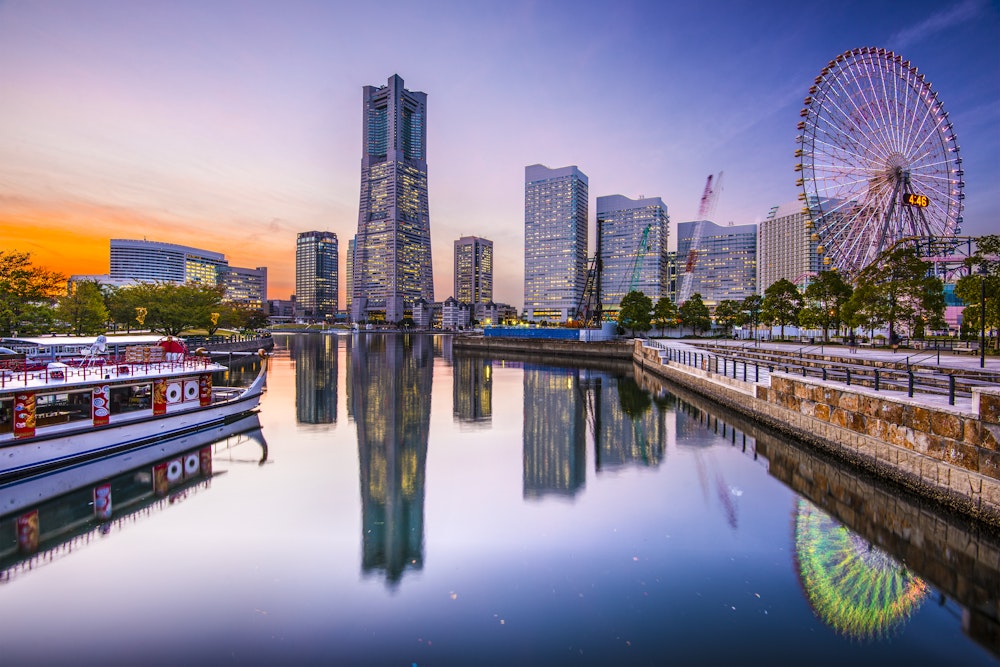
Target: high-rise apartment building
x=786 y=247
x=349 y=273
x=145 y=261
x=473 y=270
x=316 y=275
x=555 y=241
x=724 y=265
x=392 y=258
x=632 y=243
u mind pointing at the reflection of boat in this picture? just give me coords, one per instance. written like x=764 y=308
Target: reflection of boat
x=49 y=515
x=63 y=414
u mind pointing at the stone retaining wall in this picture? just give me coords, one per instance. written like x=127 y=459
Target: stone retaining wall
x=940 y=452
x=618 y=350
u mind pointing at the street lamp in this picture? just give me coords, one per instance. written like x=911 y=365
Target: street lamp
x=982 y=315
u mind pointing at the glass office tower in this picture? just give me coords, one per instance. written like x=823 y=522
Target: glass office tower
x=473 y=270
x=555 y=241
x=633 y=245
x=392 y=257
x=316 y=275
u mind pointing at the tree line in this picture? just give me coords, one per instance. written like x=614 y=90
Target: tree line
x=35 y=300
x=897 y=292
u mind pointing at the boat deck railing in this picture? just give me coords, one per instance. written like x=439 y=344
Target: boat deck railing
x=90 y=369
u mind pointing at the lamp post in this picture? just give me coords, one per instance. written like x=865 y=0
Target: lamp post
x=982 y=315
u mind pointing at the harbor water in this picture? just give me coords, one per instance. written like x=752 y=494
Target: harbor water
x=396 y=503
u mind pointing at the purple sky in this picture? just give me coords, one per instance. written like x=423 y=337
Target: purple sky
x=234 y=125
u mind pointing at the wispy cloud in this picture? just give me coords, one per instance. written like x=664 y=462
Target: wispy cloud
x=947 y=18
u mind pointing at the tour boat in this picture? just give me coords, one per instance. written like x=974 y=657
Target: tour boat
x=65 y=412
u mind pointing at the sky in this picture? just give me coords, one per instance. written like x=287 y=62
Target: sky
x=234 y=125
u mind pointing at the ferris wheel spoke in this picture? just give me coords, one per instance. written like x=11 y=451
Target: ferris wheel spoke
x=842 y=114
x=869 y=93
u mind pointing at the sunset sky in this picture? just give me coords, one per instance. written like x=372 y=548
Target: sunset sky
x=232 y=126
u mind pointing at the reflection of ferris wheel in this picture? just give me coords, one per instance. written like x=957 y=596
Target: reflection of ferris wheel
x=879 y=159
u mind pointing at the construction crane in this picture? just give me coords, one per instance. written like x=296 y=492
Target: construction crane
x=639 y=261
x=706 y=208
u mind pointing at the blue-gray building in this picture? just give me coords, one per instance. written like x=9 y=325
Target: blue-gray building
x=724 y=264
x=632 y=240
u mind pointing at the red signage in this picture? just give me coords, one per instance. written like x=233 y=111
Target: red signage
x=206 y=461
x=100 y=409
x=160 y=396
x=205 y=389
x=24 y=415
x=160 y=483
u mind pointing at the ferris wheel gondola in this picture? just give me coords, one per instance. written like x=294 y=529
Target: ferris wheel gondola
x=878 y=159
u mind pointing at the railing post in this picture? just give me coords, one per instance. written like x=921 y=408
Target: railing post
x=756 y=372
x=876 y=379
x=848 y=377
x=744 y=371
x=824 y=374
x=951 y=389
x=910 y=388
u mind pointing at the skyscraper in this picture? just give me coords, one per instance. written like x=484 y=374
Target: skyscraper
x=786 y=246
x=134 y=260
x=392 y=257
x=555 y=241
x=316 y=275
x=473 y=270
x=633 y=245
x=724 y=265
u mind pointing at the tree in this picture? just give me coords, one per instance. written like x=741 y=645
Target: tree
x=82 y=308
x=24 y=289
x=904 y=293
x=824 y=300
x=169 y=308
x=782 y=303
x=728 y=314
x=694 y=313
x=751 y=312
x=635 y=312
x=969 y=288
x=665 y=313
x=864 y=309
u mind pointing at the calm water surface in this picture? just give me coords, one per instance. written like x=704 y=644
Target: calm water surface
x=404 y=505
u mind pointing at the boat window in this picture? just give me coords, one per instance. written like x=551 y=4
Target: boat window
x=63 y=407
x=130 y=398
x=6 y=411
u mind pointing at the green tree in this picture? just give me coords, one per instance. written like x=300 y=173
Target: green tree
x=728 y=314
x=864 y=309
x=694 y=313
x=635 y=312
x=781 y=305
x=171 y=308
x=665 y=313
x=25 y=289
x=751 y=312
x=905 y=295
x=83 y=309
x=969 y=288
x=824 y=300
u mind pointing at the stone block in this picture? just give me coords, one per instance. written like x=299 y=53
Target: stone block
x=921 y=419
x=839 y=418
x=921 y=442
x=972 y=432
x=822 y=411
x=947 y=425
x=962 y=455
x=802 y=390
x=989 y=407
x=891 y=411
x=807 y=407
x=848 y=401
x=989 y=463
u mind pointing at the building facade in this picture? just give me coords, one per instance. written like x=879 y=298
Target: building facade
x=316 y=275
x=724 y=265
x=786 y=246
x=141 y=261
x=632 y=245
x=246 y=286
x=473 y=270
x=555 y=241
x=392 y=257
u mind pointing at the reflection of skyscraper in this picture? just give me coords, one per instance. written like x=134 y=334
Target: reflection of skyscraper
x=391 y=396
x=392 y=256
x=629 y=430
x=315 y=360
x=472 y=390
x=555 y=436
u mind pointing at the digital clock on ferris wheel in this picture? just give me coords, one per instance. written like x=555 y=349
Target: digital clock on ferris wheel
x=910 y=199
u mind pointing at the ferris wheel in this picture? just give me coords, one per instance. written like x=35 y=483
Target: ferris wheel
x=878 y=159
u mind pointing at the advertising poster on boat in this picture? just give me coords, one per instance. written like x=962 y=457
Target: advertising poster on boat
x=24 y=414
x=27 y=532
x=100 y=405
x=205 y=389
x=160 y=397
x=102 y=501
